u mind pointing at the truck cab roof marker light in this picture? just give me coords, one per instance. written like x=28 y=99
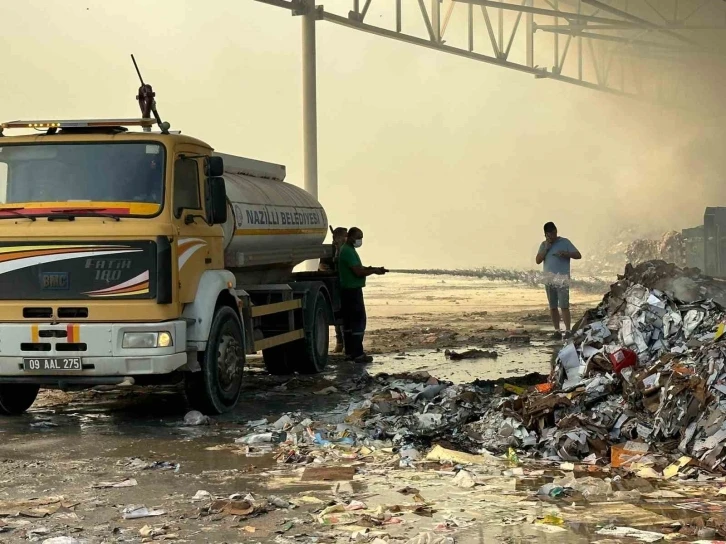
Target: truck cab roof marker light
x=83 y=123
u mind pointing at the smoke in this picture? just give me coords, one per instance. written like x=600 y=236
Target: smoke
x=444 y=162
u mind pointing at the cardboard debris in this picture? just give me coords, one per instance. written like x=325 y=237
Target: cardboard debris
x=34 y=508
x=704 y=507
x=232 y=507
x=328 y=474
x=439 y=453
x=673 y=469
x=125 y=483
x=623 y=455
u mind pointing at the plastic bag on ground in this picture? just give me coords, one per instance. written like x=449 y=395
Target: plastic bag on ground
x=194 y=418
x=587 y=486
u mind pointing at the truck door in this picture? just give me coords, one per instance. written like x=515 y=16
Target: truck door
x=198 y=245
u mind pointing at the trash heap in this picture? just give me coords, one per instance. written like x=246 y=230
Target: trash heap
x=644 y=373
x=643 y=379
x=403 y=413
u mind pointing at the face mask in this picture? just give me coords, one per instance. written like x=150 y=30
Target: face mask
x=358 y=243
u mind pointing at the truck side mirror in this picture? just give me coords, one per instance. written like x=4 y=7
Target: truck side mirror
x=214 y=167
x=216 y=201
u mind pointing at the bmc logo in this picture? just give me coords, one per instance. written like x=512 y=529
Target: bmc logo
x=54 y=280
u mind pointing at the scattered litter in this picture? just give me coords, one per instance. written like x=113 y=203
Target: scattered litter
x=551 y=490
x=34 y=508
x=262 y=438
x=622 y=455
x=232 y=507
x=673 y=469
x=150 y=532
x=63 y=540
x=464 y=479
x=280 y=503
x=162 y=465
x=32 y=534
x=439 y=453
x=140 y=511
x=202 y=495
x=194 y=418
x=308 y=499
x=552 y=519
x=257 y=423
x=43 y=425
x=283 y=423
x=704 y=507
x=470 y=354
x=125 y=483
x=628 y=532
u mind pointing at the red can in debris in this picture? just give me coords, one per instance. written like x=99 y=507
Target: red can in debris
x=623 y=358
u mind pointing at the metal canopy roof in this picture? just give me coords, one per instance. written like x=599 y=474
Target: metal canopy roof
x=663 y=51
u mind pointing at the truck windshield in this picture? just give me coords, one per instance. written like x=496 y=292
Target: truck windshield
x=121 y=178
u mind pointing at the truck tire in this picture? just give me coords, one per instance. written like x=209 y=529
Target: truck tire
x=278 y=360
x=310 y=354
x=15 y=399
x=217 y=387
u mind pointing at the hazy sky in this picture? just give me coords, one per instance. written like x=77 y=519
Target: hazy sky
x=442 y=161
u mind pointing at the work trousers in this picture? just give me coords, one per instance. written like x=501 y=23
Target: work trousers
x=339 y=334
x=353 y=309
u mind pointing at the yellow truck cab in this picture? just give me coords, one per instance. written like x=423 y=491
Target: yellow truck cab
x=143 y=257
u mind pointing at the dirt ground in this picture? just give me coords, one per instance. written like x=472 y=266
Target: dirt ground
x=76 y=461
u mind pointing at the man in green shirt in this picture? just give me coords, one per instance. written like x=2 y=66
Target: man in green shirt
x=352 y=280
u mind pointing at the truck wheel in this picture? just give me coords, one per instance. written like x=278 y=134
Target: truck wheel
x=15 y=399
x=277 y=360
x=310 y=355
x=217 y=387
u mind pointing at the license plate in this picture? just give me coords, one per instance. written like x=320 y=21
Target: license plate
x=52 y=364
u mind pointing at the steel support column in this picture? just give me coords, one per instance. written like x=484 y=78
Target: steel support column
x=310 y=107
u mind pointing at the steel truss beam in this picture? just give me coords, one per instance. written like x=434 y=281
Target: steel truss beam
x=648 y=50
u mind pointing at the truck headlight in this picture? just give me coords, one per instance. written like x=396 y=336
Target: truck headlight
x=164 y=340
x=141 y=340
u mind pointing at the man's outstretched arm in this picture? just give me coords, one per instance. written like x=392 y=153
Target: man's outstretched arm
x=365 y=271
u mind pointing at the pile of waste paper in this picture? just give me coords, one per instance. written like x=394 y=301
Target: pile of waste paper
x=643 y=383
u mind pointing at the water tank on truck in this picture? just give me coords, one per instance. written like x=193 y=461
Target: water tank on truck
x=272 y=226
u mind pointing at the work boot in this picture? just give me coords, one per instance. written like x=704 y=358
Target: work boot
x=568 y=334
x=557 y=335
x=338 y=347
x=363 y=359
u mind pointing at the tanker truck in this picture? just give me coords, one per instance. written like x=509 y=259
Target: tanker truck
x=140 y=257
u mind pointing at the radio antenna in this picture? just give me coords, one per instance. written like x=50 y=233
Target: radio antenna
x=147 y=103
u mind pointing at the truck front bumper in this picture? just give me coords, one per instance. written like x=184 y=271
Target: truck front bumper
x=99 y=346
